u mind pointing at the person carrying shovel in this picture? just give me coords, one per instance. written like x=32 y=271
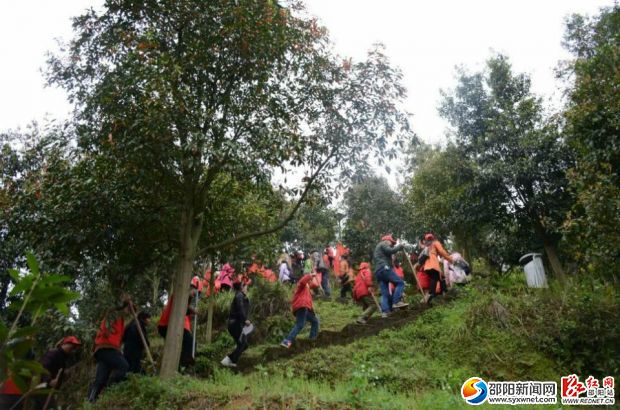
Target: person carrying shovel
x=363 y=293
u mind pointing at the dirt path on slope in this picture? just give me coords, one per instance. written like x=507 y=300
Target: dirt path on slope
x=349 y=334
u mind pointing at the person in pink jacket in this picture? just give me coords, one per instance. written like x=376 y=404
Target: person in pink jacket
x=226 y=277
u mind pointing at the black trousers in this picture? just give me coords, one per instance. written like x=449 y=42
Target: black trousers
x=109 y=362
x=344 y=289
x=186 y=344
x=134 y=359
x=235 y=329
x=434 y=275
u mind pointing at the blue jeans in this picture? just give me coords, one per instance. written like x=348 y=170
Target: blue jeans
x=302 y=315
x=385 y=277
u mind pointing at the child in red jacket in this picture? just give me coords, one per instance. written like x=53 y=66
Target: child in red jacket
x=362 y=292
x=303 y=309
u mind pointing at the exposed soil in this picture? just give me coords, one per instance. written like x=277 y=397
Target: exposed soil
x=348 y=334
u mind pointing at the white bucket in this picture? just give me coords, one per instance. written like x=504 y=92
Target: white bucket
x=534 y=270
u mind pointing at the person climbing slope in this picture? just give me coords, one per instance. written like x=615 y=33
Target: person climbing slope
x=382 y=259
x=431 y=265
x=56 y=361
x=108 y=350
x=303 y=309
x=237 y=319
x=226 y=277
x=188 y=339
x=363 y=292
x=133 y=347
x=346 y=277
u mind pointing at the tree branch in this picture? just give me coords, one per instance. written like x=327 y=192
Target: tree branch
x=284 y=221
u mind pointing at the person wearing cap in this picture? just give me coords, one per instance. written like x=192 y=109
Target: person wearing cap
x=431 y=265
x=133 y=347
x=110 y=360
x=382 y=259
x=55 y=360
x=237 y=319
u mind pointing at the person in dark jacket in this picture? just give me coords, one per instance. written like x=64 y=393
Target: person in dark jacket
x=382 y=260
x=133 y=348
x=237 y=319
x=55 y=360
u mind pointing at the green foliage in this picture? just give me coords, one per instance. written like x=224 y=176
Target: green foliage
x=593 y=130
x=34 y=293
x=372 y=210
x=314 y=227
x=515 y=158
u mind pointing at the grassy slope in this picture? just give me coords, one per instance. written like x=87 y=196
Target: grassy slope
x=498 y=330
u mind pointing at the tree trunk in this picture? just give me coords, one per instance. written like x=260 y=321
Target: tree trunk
x=190 y=229
x=156 y=282
x=551 y=252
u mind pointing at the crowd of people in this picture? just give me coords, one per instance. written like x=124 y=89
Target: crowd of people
x=119 y=347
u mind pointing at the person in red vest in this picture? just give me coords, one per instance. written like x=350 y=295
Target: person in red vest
x=11 y=395
x=188 y=339
x=110 y=360
x=303 y=309
x=398 y=269
x=363 y=292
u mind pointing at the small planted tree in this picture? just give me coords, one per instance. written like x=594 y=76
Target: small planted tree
x=34 y=293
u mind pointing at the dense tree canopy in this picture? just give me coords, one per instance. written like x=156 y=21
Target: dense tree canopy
x=174 y=95
x=372 y=210
x=520 y=156
x=593 y=129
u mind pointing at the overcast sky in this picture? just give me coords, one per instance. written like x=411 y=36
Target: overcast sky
x=426 y=39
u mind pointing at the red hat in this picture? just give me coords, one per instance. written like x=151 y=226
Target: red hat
x=388 y=238
x=70 y=339
x=429 y=237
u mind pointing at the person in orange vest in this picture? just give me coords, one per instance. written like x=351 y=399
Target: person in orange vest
x=188 y=339
x=303 y=309
x=110 y=360
x=431 y=265
x=363 y=292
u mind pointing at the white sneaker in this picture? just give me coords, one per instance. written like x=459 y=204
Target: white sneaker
x=400 y=304
x=384 y=315
x=227 y=362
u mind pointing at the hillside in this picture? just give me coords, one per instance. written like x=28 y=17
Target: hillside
x=419 y=358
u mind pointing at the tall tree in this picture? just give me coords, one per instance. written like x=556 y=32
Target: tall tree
x=314 y=226
x=372 y=209
x=593 y=129
x=182 y=92
x=500 y=125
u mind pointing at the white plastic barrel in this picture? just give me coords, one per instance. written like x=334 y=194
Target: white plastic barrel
x=534 y=270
